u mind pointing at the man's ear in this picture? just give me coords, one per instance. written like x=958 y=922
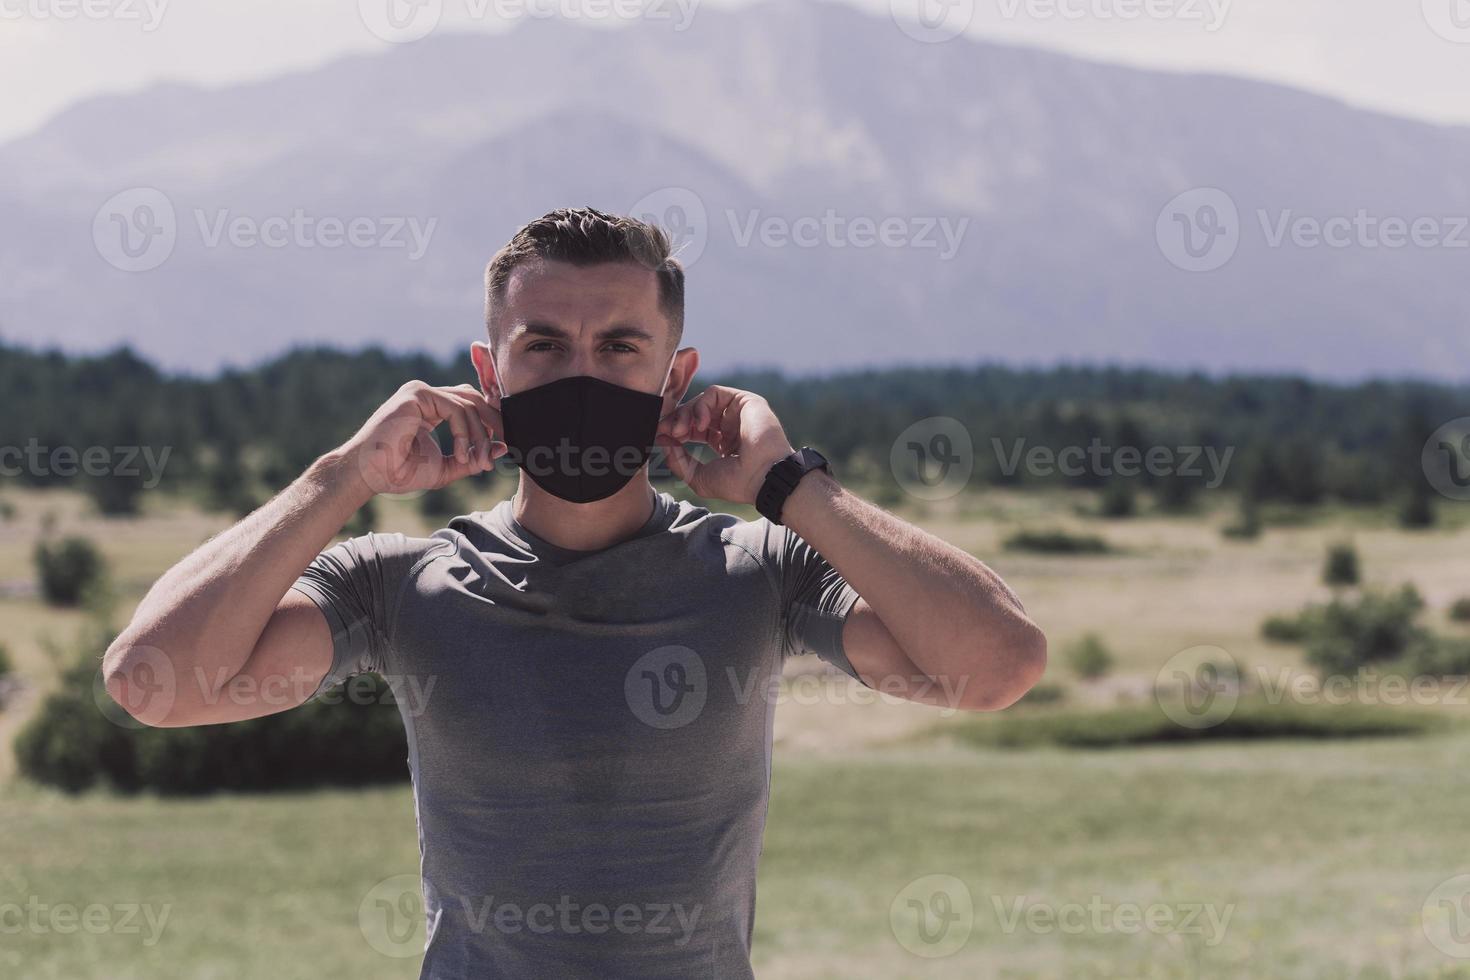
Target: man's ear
x=485 y=370
x=681 y=376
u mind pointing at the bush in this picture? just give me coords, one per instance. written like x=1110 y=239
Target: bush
x=1289 y=628
x=442 y=503
x=1460 y=610
x=365 y=520
x=1147 y=724
x=68 y=570
x=1346 y=636
x=1118 y=500
x=1043 y=694
x=1057 y=543
x=7 y=666
x=80 y=740
x=1417 y=510
x=1090 y=658
x=1441 y=657
x=1341 y=567
x=1247 y=524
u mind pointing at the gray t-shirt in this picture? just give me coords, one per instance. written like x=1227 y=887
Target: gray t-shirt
x=589 y=732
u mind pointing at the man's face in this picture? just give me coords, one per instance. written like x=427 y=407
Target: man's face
x=559 y=320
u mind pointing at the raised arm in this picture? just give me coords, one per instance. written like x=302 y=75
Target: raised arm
x=225 y=618
x=932 y=624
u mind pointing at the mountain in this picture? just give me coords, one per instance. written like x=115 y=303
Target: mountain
x=847 y=195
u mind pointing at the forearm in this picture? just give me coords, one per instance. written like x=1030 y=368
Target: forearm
x=951 y=615
x=206 y=614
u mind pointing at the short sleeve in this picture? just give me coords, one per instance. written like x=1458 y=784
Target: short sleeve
x=814 y=598
x=357 y=584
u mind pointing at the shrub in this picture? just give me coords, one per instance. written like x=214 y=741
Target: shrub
x=1043 y=694
x=365 y=520
x=442 y=503
x=68 y=570
x=1341 y=567
x=1346 y=635
x=1460 y=610
x=1441 y=657
x=1090 y=658
x=7 y=666
x=1247 y=524
x=1118 y=500
x=1290 y=627
x=80 y=740
x=114 y=495
x=1147 y=723
x=7 y=510
x=1417 y=510
x=1056 y=542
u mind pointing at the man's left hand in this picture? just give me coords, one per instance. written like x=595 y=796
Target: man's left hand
x=742 y=430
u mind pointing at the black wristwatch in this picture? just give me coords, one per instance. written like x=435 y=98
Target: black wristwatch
x=783 y=477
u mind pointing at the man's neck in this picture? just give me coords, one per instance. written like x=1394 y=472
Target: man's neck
x=584 y=527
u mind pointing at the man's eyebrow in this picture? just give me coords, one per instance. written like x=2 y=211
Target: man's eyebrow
x=624 y=331
x=543 y=330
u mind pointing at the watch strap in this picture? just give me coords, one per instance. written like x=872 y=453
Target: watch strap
x=782 y=478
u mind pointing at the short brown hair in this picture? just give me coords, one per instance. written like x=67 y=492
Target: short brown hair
x=586 y=236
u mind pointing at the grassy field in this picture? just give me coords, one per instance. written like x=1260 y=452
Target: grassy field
x=1262 y=859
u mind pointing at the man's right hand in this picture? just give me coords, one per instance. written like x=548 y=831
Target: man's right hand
x=395 y=450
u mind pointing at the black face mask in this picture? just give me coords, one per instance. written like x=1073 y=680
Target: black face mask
x=581 y=439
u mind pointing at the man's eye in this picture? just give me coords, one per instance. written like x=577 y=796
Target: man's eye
x=542 y=345
x=622 y=349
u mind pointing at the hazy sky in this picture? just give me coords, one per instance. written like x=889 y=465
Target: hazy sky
x=1405 y=56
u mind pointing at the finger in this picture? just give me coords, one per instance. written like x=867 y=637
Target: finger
x=439 y=405
x=684 y=466
x=678 y=427
x=452 y=470
x=702 y=414
x=487 y=419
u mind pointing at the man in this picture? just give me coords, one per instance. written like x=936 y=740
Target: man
x=585 y=671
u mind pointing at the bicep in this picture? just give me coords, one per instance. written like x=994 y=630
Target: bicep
x=292 y=656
